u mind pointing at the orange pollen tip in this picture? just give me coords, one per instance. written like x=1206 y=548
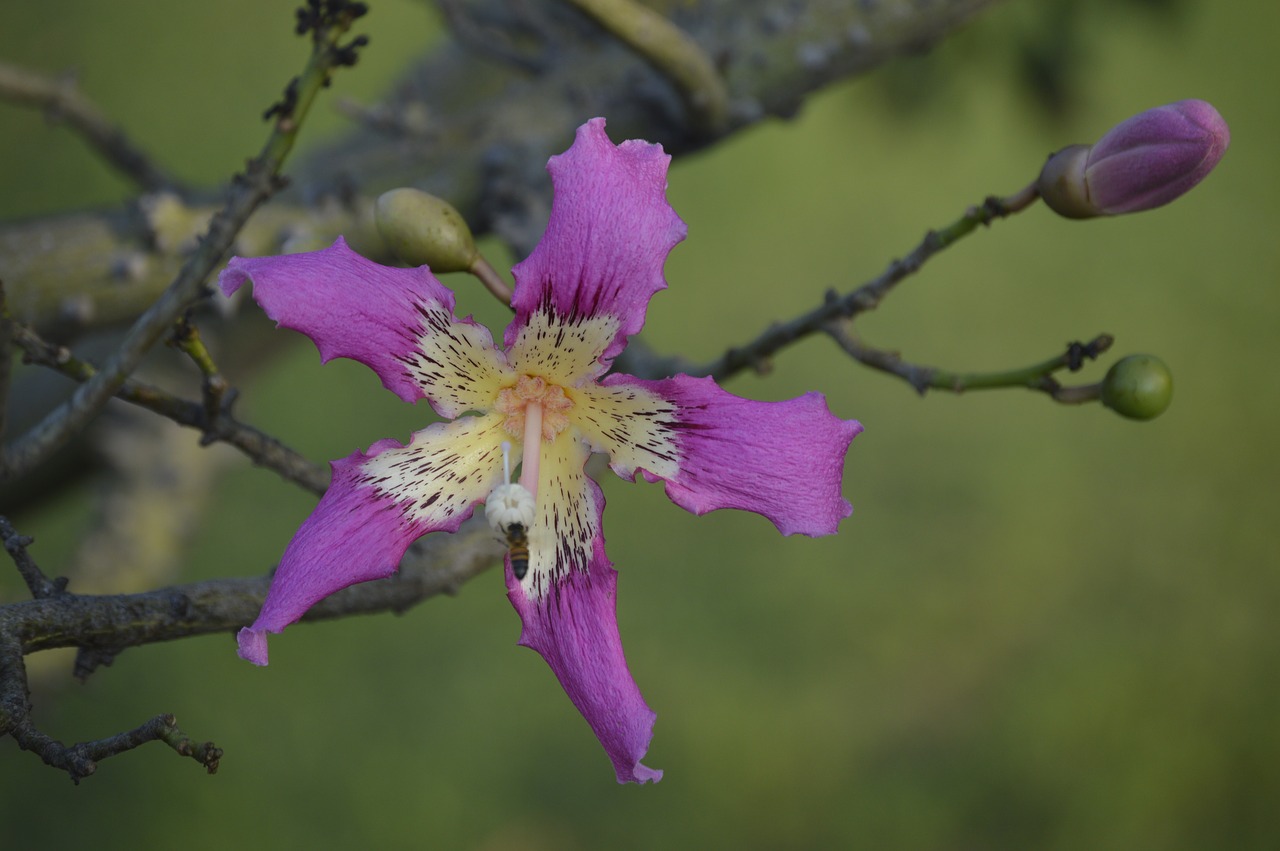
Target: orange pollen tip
x=513 y=400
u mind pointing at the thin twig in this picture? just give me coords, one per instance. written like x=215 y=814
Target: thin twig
x=260 y=180
x=217 y=425
x=61 y=99
x=186 y=336
x=81 y=759
x=1037 y=376
x=16 y=545
x=755 y=354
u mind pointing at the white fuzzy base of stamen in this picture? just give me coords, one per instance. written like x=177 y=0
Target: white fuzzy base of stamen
x=509 y=504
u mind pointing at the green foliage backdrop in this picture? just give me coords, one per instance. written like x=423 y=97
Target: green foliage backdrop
x=1043 y=627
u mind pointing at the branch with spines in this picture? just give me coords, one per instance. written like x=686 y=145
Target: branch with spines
x=1146 y=161
x=103 y=626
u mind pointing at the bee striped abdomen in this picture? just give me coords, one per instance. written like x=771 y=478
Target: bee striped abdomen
x=518 y=549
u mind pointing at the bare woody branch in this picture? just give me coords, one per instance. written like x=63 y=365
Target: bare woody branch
x=430 y=134
x=212 y=416
x=108 y=624
x=16 y=545
x=81 y=759
x=260 y=180
x=1038 y=376
x=756 y=353
x=437 y=564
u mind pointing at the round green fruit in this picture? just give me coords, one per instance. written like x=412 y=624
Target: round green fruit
x=1139 y=387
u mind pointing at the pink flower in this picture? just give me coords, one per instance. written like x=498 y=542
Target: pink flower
x=578 y=297
x=1143 y=162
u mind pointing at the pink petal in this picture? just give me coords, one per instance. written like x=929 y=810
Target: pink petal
x=398 y=322
x=567 y=603
x=1156 y=156
x=784 y=460
x=610 y=231
x=376 y=505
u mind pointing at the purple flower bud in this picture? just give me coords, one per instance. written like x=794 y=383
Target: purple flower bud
x=1144 y=162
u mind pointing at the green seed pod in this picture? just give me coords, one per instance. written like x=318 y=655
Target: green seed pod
x=422 y=229
x=1139 y=387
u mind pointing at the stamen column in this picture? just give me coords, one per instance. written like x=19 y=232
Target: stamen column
x=532 y=457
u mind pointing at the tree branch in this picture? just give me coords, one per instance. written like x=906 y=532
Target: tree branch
x=756 y=353
x=16 y=545
x=107 y=624
x=436 y=564
x=259 y=181
x=212 y=418
x=771 y=57
x=1038 y=376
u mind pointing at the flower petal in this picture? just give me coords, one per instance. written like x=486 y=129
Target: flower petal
x=610 y=231
x=376 y=505
x=783 y=460
x=444 y=471
x=568 y=605
x=564 y=350
x=398 y=322
x=631 y=424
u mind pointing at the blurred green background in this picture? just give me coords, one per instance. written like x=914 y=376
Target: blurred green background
x=1043 y=627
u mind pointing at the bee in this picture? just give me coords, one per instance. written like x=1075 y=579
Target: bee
x=510 y=510
x=517 y=548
